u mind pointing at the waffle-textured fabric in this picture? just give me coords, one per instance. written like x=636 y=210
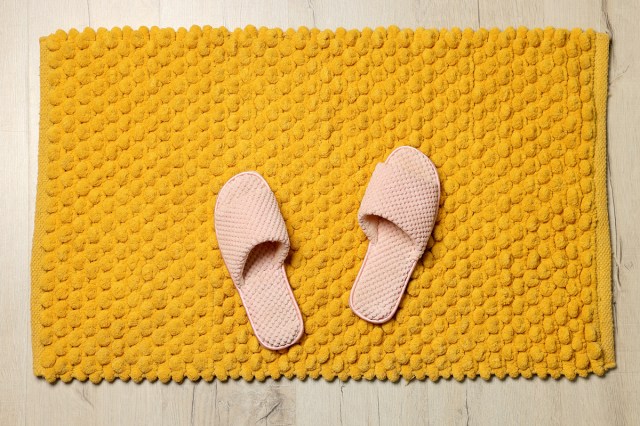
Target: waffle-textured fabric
x=253 y=241
x=140 y=129
x=397 y=214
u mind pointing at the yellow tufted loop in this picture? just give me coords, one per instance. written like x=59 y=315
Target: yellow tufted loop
x=140 y=128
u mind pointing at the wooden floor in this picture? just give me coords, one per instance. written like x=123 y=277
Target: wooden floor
x=612 y=400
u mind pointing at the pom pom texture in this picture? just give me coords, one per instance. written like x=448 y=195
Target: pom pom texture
x=141 y=128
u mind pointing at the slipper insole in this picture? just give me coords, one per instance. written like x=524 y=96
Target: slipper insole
x=385 y=273
x=267 y=298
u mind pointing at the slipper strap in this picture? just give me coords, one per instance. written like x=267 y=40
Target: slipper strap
x=402 y=198
x=245 y=219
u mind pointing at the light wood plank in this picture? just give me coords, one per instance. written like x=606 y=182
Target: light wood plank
x=192 y=12
x=118 y=13
x=318 y=403
x=574 y=14
x=514 y=13
x=178 y=403
x=444 y=14
x=406 y=403
x=244 y=403
x=14 y=209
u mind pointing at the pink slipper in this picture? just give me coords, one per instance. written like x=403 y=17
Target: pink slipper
x=397 y=214
x=254 y=243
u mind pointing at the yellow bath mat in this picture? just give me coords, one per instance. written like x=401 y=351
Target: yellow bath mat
x=141 y=128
